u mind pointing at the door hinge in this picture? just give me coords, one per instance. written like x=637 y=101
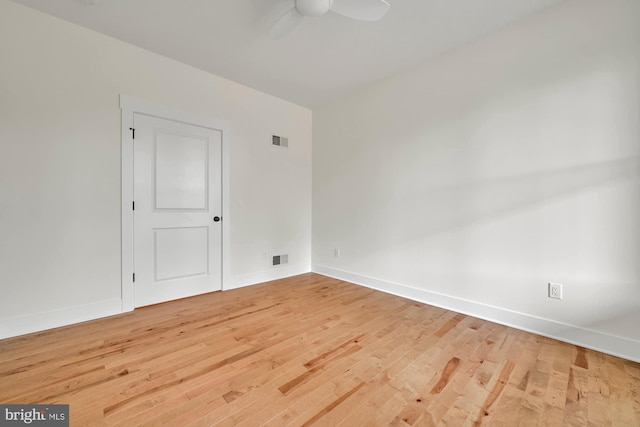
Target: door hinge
x=133 y=133
x=133 y=205
x=134 y=277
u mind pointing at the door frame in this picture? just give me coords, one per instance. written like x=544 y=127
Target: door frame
x=130 y=106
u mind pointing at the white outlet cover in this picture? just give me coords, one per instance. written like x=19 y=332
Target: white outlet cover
x=555 y=290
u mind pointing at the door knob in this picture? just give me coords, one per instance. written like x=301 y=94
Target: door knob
x=216 y=218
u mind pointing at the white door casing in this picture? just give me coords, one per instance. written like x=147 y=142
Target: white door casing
x=180 y=182
x=177 y=194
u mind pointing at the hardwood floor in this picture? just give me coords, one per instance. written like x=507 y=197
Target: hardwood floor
x=311 y=350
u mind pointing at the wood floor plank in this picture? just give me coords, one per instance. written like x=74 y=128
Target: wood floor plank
x=598 y=405
x=349 y=365
x=369 y=365
x=311 y=350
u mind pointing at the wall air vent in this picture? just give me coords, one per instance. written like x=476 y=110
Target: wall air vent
x=277 y=260
x=280 y=141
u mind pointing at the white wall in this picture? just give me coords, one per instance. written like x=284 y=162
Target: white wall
x=473 y=180
x=60 y=167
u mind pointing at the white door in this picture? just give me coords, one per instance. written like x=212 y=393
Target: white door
x=178 y=207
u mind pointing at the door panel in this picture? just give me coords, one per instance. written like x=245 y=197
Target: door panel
x=181 y=252
x=177 y=192
x=181 y=171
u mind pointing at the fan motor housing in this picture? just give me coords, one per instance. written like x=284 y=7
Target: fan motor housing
x=313 y=7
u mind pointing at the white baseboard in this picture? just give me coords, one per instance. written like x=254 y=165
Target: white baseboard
x=15 y=326
x=616 y=346
x=274 y=273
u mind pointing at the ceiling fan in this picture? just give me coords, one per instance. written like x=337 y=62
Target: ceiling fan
x=362 y=10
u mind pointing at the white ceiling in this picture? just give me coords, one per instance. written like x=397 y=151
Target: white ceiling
x=321 y=61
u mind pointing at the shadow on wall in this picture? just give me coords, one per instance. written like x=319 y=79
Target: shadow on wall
x=448 y=209
x=387 y=196
x=408 y=230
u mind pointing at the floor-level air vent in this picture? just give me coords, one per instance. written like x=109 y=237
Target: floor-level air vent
x=279 y=260
x=280 y=141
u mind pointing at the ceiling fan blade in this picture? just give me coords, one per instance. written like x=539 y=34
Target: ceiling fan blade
x=285 y=24
x=362 y=10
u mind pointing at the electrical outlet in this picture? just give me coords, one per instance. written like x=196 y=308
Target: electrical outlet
x=336 y=253
x=555 y=290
